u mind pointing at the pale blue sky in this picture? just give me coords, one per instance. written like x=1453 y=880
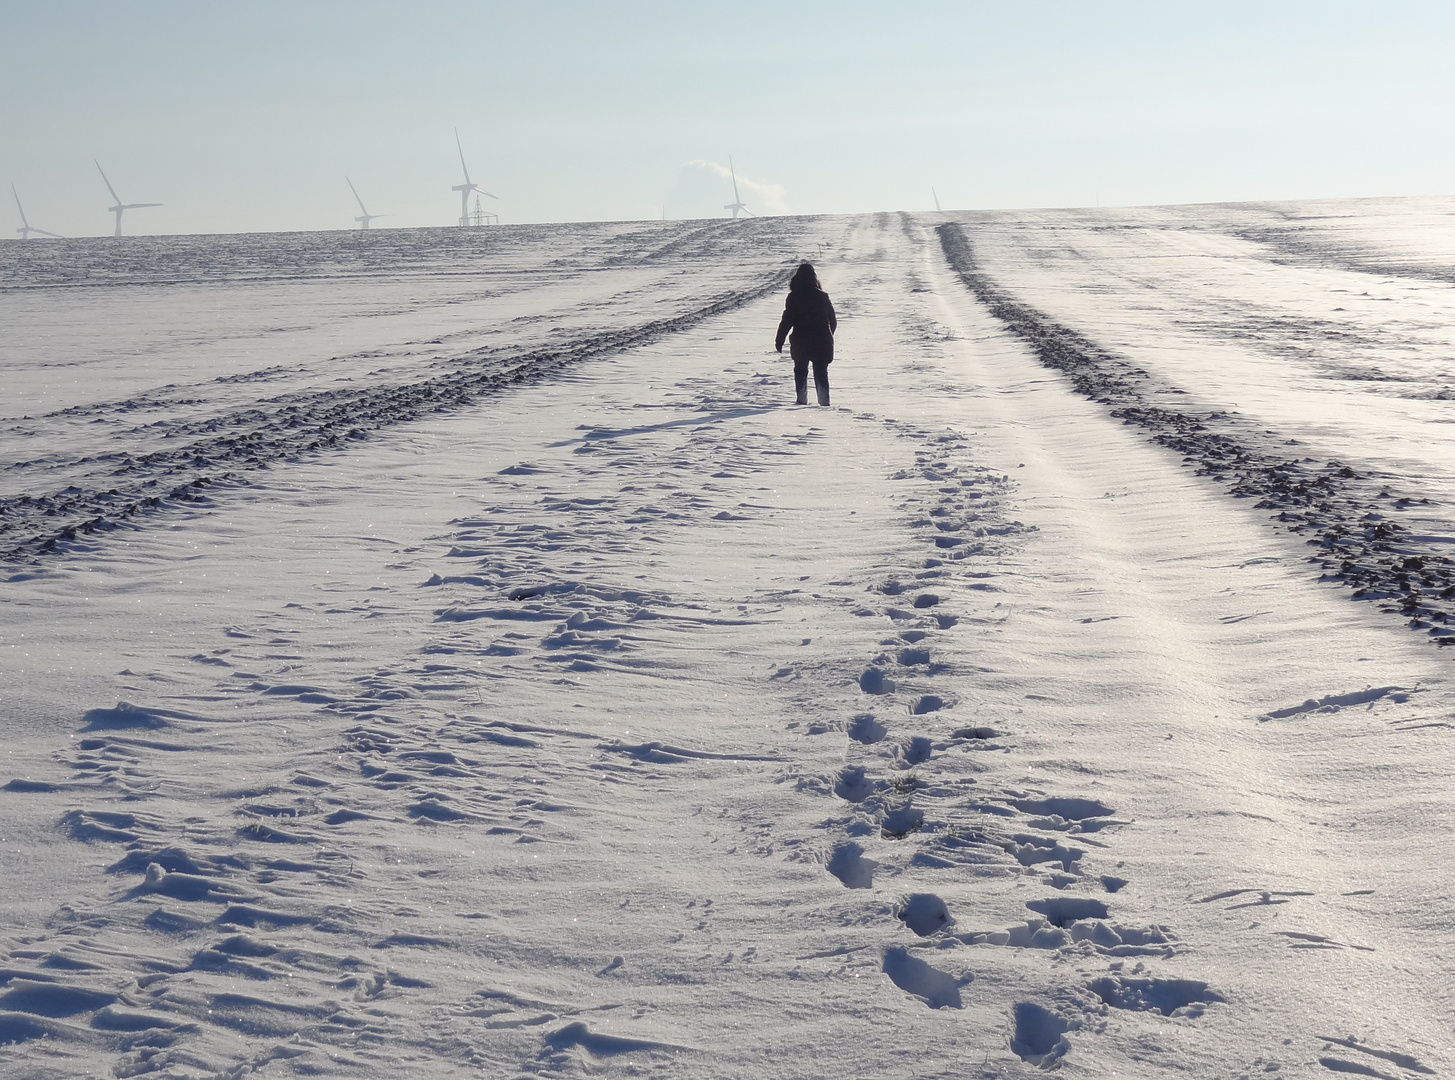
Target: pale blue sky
x=242 y=116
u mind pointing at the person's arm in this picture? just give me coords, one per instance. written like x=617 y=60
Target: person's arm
x=785 y=324
x=833 y=319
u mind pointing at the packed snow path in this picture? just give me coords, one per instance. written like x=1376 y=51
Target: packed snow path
x=630 y=721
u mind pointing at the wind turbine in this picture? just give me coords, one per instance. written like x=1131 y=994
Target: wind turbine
x=120 y=206
x=937 y=198
x=737 y=203
x=368 y=217
x=467 y=187
x=26 y=228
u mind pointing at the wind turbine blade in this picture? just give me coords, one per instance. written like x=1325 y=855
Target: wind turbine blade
x=139 y=205
x=19 y=207
x=731 y=170
x=107 y=182
x=43 y=232
x=461 y=149
x=362 y=209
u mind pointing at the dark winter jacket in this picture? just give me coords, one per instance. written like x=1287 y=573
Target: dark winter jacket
x=810 y=315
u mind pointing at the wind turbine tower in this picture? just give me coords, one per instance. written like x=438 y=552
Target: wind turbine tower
x=737 y=203
x=367 y=217
x=120 y=206
x=26 y=228
x=467 y=187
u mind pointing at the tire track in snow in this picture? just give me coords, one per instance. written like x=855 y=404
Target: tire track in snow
x=151 y=261
x=1301 y=244
x=32 y=526
x=1346 y=515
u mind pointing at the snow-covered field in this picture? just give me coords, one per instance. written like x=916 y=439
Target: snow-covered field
x=447 y=653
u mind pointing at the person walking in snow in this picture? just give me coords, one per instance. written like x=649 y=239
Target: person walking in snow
x=809 y=313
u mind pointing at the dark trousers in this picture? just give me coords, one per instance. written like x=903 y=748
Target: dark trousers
x=820 y=379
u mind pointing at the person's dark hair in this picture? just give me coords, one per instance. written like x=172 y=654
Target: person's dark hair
x=804 y=279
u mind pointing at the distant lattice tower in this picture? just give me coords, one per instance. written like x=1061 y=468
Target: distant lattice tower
x=483 y=217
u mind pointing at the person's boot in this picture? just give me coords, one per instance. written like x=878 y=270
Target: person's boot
x=802 y=397
x=823 y=394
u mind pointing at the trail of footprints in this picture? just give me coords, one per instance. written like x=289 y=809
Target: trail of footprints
x=276 y=897
x=253 y=933
x=277 y=887
x=284 y=887
x=916 y=802
x=919 y=803
x=271 y=938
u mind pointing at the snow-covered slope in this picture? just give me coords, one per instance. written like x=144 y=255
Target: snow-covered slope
x=506 y=680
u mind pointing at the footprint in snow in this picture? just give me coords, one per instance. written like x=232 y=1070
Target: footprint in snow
x=937 y=989
x=865 y=729
x=1030 y=850
x=848 y=864
x=874 y=681
x=924 y=913
x=1063 y=910
x=1166 y=996
x=975 y=734
x=1067 y=814
x=901 y=821
x=916 y=752
x=1040 y=1035
x=1069 y=809
x=854 y=785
